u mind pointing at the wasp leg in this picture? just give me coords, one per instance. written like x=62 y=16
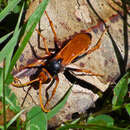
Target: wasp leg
x=49 y=86
x=54 y=91
x=40 y=97
x=84 y=70
x=27 y=93
x=36 y=64
x=53 y=30
x=24 y=84
x=97 y=44
x=16 y=80
x=44 y=41
x=92 y=49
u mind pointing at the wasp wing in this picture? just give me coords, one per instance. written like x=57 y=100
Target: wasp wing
x=25 y=72
x=74 y=48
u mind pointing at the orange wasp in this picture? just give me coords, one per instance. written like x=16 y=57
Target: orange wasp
x=57 y=62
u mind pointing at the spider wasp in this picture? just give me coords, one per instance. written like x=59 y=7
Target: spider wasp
x=54 y=63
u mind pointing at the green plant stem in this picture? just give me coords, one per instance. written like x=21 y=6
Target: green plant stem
x=125 y=28
x=4 y=108
x=109 y=110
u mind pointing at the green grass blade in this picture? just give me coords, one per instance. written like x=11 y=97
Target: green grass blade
x=102 y=120
x=5 y=51
x=125 y=31
x=12 y=47
x=28 y=30
x=1 y=82
x=14 y=118
x=2 y=39
x=11 y=99
x=35 y=17
x=1 y=127
x=127 y=107
x=8 y=8
x=56 y=109
x=19 y=20
x=90 y=127
x=8 y=49
x=4 y=109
